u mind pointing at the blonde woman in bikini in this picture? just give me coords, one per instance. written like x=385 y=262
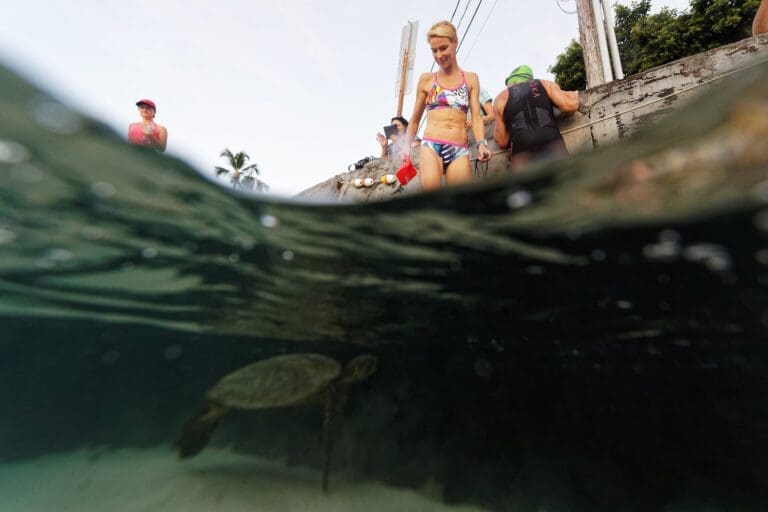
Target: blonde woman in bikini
x=447 y=96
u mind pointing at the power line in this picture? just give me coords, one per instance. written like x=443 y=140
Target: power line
x=466 y=6
x=470 y=24
x=559 y=4
x=455 y=9
x=488 y=16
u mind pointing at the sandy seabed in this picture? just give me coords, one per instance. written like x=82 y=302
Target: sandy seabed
x=217 y=480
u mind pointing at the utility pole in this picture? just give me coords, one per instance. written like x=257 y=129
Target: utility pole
x=593 y=62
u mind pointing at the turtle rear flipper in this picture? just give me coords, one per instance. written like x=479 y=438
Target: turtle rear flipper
x=333 y=419
x=197 y=430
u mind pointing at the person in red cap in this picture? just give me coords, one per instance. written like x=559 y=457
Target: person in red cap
x=147 y=132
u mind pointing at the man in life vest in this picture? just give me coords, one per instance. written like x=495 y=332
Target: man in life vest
x=147 y=132
x=525 y=117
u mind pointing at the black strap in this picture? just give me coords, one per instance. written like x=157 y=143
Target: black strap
x=481 y=170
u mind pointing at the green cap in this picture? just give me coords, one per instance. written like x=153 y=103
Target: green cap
x=519 y=74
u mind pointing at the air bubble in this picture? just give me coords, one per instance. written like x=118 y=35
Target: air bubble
x=103 y=190
x=59 y=255
x=12 y=152
x=246 y=243
x=110 y=357
x=760 y=220
x=56 y=117
x=483 y=368
x=663 y=251
x=172 y=352
x=761 y=191
x=519 y=199
x=714 y=257
x=6 y=236
x=269 y=221
x=670 y=235
x=574 y=233
x=149 y=252
x=92 y=232
x=288 y=255
x=624 y=304
x=44 y=263
x=26 y=173
x=234 y=257
x=761 y=256
x=599 y=255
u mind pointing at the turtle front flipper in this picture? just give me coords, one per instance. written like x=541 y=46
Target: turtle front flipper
x=335 y=400
x=197 y=430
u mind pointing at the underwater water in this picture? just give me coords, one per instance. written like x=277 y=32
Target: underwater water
x=586 y=336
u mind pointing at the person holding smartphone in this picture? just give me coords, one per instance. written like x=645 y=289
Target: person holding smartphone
x=147 y=132
x=393 y=133
x=447 y=96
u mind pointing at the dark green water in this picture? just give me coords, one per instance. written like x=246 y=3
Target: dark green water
x=555 y=341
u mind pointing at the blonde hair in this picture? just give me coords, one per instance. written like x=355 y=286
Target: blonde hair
x=443 y=29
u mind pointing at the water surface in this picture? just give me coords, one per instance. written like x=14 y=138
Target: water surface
x=586 y=336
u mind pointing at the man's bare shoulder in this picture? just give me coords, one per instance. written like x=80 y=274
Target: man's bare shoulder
x=548 y=84
x=502 y=96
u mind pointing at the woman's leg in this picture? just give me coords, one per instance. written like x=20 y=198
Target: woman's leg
x=760 y=23
x=430 y=169
x=459 y=171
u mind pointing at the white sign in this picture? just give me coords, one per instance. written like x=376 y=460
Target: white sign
x=406 y=57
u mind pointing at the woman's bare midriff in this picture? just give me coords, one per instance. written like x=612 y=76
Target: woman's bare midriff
x=447 y=124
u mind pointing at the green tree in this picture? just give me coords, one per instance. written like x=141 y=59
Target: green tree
x=241 y=175
x=569 y=70
x=647 y=40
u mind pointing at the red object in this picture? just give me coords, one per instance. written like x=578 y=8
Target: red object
x=147 y=102
x=406 y=172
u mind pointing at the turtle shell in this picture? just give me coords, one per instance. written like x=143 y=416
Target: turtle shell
x=275 y=382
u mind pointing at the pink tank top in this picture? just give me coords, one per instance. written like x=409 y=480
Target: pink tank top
x=136 y=134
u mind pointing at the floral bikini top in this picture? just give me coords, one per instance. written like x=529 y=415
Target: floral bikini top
x=457 y=98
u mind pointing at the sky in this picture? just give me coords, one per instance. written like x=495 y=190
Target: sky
x=301 y=86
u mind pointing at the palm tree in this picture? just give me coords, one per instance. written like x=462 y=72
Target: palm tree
x=240 y=175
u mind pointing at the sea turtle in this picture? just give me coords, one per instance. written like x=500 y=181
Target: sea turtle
x=280 y=381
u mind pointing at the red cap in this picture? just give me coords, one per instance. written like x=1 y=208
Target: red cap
x=147 y=102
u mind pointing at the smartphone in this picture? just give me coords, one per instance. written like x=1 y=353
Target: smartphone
x=390 y=130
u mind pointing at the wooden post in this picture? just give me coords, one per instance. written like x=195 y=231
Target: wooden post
x=403 y=72
x=589 y=43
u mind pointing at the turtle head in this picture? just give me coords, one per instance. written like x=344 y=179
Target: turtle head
x=359 y=368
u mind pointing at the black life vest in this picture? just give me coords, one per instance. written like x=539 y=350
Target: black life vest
x=530 y=119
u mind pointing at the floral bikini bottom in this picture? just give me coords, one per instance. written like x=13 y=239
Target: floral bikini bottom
x=447 y=151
